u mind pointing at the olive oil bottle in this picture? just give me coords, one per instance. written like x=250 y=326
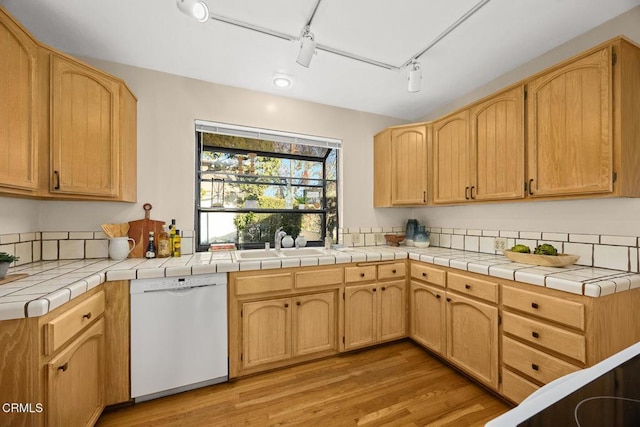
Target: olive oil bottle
x=164 y=243
x=177 y=244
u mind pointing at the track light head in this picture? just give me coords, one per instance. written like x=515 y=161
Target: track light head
x=197 y=10
x=415 y=77
x=307 y=48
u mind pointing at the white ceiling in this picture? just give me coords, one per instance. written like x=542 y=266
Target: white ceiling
x=154 y=34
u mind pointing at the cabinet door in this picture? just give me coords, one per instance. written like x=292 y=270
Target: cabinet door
x=497 y=140
x=266 y=332
x=360 y=316
x=472 y=337
x=314 y=323
x=409 y=166
x=84 y=130
x=75 y=381
x=19 y=107
x=393 y=310
x=427 y=313
x=569 y=114
x=451 y=157
x=382 y=169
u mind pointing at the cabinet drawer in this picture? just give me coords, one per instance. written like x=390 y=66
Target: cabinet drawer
x=261 y=283
x=556 y=339
x=309 y=279
x=566 y=312
x=516 y=388
x=391 y=271
x=482 y=289
x=360 y=274
x=534 y=363
x=60 y=329
x=428 y=274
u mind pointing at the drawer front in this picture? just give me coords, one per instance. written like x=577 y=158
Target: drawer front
x=360 y=274
x=62 y=328
x=261 y=283
x=391 y=271
x=534 y=363
x=313 y=278
x=482 y=289
x=516 y=388
x=566 y=312
x=556 y=339
x=428 y=274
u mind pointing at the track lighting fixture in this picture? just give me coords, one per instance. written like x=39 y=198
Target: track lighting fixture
x=307 y=47
x=415 y=77
x=198 y=10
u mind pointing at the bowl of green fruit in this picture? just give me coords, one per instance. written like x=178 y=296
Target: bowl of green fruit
x=546 y=255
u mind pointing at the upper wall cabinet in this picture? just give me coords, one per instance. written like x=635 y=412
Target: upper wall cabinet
x=18 y=109
x=570 y=128
x=451 y=159
x=400 y=167
x=69 y=129
x=479 y=152
x=583 y=126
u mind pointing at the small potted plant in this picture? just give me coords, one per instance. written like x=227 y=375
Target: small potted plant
x=5 y=261
x=301 y=202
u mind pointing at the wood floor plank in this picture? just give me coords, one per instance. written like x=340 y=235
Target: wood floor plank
x=399 y=384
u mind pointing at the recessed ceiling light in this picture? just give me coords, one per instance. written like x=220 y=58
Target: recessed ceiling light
x=281 y=81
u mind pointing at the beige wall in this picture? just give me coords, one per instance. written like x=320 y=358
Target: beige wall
x=605 y=216
x=167 y=108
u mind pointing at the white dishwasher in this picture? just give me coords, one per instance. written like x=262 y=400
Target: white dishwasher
x=178 y=334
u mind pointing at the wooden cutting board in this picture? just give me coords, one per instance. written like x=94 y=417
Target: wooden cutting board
x=139 y=231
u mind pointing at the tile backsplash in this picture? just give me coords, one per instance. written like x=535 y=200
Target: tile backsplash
x=595 y=250
x=55 y=245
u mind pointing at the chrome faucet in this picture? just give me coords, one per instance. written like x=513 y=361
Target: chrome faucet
x=277 y=238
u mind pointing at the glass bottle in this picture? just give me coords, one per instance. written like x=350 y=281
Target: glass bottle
x=177 y=251
x=172 y=235
x=410 y=231
x=421 y=238
x=164 y=243
x=151 y=247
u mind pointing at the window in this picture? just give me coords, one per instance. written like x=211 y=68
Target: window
x=250 y=182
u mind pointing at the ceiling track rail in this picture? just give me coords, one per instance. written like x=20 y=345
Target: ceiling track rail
x=283 y=36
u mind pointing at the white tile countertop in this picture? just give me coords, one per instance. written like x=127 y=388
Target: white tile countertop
x=53 y=283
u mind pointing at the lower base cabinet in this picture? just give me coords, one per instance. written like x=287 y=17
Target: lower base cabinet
x=427 y=316
x=282 y=328
x=472 y=337
x=75 y=381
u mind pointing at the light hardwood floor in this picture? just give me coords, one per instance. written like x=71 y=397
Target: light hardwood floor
x=399 y=384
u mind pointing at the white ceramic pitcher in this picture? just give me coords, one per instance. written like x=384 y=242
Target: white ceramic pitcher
x=119 y=247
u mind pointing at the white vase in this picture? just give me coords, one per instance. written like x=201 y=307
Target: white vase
x=4 y=267
x=287 y=241
x=301 y=242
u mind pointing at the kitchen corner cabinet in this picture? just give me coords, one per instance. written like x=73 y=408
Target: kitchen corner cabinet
x=479 y=152
x=73 y=361
x=18 y=108
x=374 y=312
x=401 y=167
x=68 y=128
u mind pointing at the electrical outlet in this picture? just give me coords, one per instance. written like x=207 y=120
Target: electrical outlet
x=380 y=239
x=355 y=238
x=500 y=243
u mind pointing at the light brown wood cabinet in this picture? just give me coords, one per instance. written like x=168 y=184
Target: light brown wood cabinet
x=472 y=337
x=581 y=127
x=70 y=129
x=75 y=381
x=284 y=317
x=376 y=311
x=427 y=316
x=18 y=108
x=479 y=152
x=401 y=166
x=73 y=360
